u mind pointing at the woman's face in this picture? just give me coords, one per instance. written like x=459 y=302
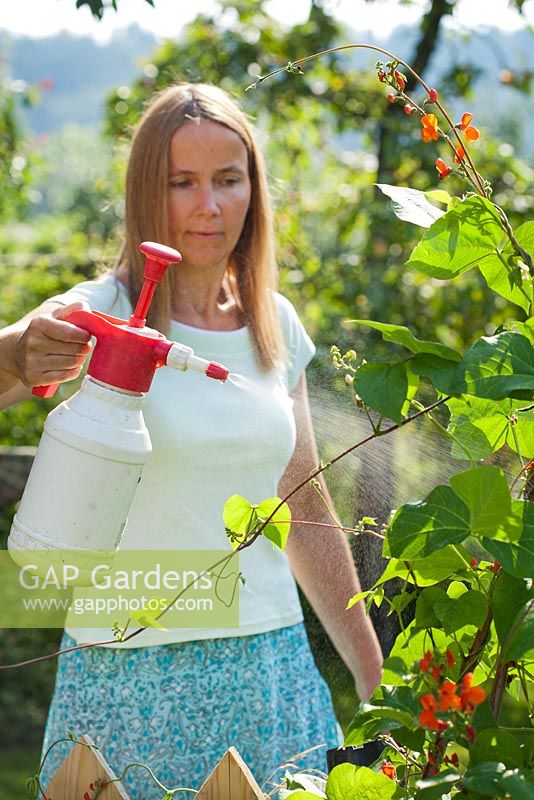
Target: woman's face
x=209 y=192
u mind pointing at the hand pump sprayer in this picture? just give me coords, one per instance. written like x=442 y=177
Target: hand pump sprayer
x=95 y=444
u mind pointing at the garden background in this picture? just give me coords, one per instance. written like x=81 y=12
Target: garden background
x=66 y=105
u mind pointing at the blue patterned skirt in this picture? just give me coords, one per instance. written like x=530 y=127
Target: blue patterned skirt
x=178 y=707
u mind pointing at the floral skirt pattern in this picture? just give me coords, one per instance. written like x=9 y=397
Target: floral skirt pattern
x=178 y=707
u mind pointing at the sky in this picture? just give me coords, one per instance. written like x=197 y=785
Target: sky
x=45 y=17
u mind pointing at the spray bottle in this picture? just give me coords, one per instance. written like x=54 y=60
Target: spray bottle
x=95 y=444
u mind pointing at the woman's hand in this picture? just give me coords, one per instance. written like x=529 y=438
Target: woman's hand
x=50 y=349
x=369 y=674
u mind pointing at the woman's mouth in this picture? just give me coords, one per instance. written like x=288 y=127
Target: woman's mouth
x=206 y=234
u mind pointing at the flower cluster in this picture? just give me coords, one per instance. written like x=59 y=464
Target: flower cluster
x=430 y=131
x=446 y=695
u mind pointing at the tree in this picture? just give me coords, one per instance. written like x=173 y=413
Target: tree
x=97 y=7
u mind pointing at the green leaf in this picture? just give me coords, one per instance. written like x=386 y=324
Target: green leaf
x=484 y=426
x=390 y=707
x=146 y=620
x=494 y=780
x=459 y=240
x=411 y=205
x=301 y=795
x=481 y=425
x=425 y=616
x=409 y=648
x=485 y=491
x=496 y=745
x=440 y=371
x=520 y=642
x=414 y=739
x=348 y=781
x=485 y=779
x=483 y=717
x=427 y=570
x=383 y=387
x=497 y=367
x=357 y=597
x=440 y=196
x=509 y=596
x=504 y=277
x=435 y=788
x=418 y=529
x=399 y=334
x=278 y=528
x=237 y=514
x=516 y=557
x=411 y=391
x=454 y=614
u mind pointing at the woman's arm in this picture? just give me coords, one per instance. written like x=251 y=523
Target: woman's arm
x=322 y=562
x=41 y=348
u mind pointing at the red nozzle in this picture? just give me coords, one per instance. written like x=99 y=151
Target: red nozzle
x=217 y=371
x=158 y=258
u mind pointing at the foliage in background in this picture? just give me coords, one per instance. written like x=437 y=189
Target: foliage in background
x=97 y=7
x=341 y=251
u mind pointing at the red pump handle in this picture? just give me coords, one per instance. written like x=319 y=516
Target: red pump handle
x=90 y=321
x=158 y=258
x=84 y=320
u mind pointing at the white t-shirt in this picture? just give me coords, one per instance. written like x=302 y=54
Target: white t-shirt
x=210 y=441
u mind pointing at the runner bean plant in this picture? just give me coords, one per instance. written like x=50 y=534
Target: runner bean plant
x=465 y=553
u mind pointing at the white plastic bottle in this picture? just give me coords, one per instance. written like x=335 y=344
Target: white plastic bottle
x=95 y=444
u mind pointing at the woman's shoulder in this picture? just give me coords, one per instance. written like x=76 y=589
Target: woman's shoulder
x=290 y=321
x=285 y=307
x=104 y=293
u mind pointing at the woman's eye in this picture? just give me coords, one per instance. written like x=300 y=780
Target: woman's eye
x=230 y=181
x=180 y=184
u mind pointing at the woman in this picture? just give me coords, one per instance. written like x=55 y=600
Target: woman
x=177 y=699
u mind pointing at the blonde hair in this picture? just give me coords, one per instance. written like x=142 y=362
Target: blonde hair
x=251 y=271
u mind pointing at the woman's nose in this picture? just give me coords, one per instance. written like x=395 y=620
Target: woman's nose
x=207 y=199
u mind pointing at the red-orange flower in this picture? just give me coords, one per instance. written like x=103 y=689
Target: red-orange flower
x=399 y=79
x=470 y=132
x=425 y=662
x=388 y=769
x=429 y=702
x=427 y=719
x=429 y=131
x=471 y=733
x=442 y=168
x=459 y=154
x=450 y=657
x=447 y=696
x=470 y=695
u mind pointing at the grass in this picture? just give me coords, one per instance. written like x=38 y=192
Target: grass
x=17 y=764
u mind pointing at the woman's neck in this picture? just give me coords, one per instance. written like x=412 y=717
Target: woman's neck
x=211 y=305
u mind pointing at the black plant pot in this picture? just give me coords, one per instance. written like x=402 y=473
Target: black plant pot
x=360 y=756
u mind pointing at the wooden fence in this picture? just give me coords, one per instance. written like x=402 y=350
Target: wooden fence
x=85 y=768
